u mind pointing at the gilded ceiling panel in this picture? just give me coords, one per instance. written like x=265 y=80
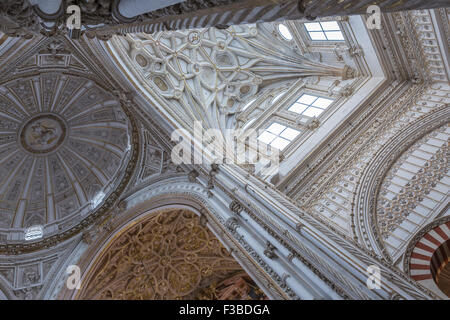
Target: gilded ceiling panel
x=170 y=255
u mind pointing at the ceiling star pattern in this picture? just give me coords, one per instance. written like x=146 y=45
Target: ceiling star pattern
x=63 y=142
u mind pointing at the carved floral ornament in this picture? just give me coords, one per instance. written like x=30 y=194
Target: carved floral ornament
x=375 y=218
x=392 y=212
x=167 y=255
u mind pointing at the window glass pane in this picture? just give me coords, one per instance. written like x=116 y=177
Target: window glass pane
x=312 y=112
x=279 y=143
x=330 y=25
x=314 y=26
x=306 y=99
x=284 y=31
x=334 y=35
x=298 y=108
x=317 y=36
x=266 y=137
x=276 y=128
x=322 y=103
x=290 y=134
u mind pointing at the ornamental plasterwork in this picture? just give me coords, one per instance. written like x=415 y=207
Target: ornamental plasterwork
x=177 y=190
x=168 y=255
x=64 y=142
x=29 y=276
x=52 y=54
x=209 y=75
x=416 y=30
x=152 y=158
x=364 y=217
x=409 y=63
x=151 y=167
x=69 y=145
x=331 y=196
x=103 y=18
x=413 y=189
x=327 y=195
x=155 y=163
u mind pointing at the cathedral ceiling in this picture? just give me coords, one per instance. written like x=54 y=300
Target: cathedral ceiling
x=66 y=142
x=63 y=141
x=68 y=139
x=103 y=18
x=211 y=75
x=237 y=78
x=378 y=187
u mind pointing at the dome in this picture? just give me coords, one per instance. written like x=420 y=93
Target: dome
x=64 y=144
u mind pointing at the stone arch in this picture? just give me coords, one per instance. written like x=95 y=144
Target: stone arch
x=427 y=252
x=169 y=199
x=365 y=207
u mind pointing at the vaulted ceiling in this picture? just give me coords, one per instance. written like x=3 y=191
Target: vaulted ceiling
x=85 y=122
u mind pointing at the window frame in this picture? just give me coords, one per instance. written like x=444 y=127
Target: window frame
x=322 y=30
x=310 y=105
x=276 y=120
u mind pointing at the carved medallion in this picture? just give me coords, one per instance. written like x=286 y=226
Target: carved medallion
x=43 y=134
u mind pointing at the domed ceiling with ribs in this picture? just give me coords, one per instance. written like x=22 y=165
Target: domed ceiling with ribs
x=64 y=142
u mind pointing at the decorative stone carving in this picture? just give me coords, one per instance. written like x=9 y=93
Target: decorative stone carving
x=221 y=68
x=236 y=207
x=192 y=176
x=165 y=256
x=313 y=124
x=270 y=251
x=237 y=287
x=17 y=18
x=68 y=141
x=393 y=207
x=232 y=223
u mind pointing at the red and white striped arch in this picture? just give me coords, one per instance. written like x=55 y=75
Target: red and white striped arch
x=420 y=263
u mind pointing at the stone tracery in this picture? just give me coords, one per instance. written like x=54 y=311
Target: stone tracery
x=392 y=212
x=168 y=255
